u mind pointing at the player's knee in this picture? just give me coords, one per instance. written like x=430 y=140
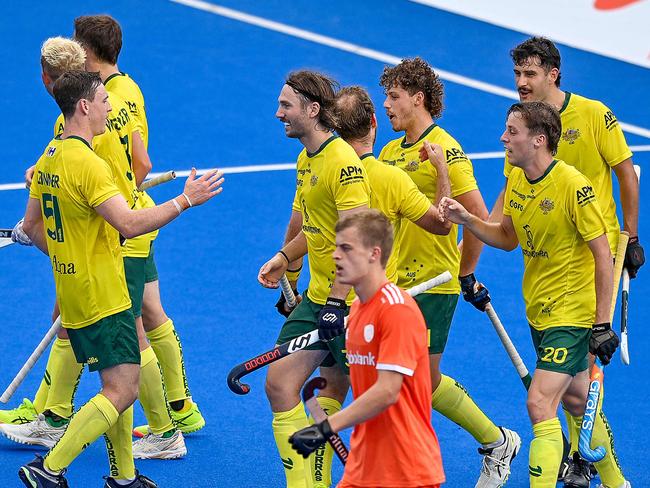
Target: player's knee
x=538 y=407
x=574 y=404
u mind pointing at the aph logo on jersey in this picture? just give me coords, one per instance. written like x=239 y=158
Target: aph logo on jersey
x=546 y=205
x=585 y=195
x=313 y=180
x=369 y=332
x=51 y=150
x=412 y=166
x=454 y=155
x=350 y=174
x=571 y=135
x=610 y=120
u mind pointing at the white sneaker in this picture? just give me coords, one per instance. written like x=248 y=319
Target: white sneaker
x=627 y=484
x=36 y=433
x=497 y=461
x=157 y=446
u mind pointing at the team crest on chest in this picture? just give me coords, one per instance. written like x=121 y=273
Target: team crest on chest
x=368 y=332
x=313 y=180
x=546 y=205
x=571 y=135
x=412 y=166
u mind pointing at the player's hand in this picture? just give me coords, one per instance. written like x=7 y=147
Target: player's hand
x=331 y=319
x=283 y=307
x=434 y=153
x=18 y=235
x=450 y=209
x=634 y=257
x=307 y=440
x=474 y=292
x=29 y=175
x=271 y=271
x=200 y=190
x=603 y=342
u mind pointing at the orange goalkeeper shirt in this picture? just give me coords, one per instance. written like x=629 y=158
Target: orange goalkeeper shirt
x=398 y=447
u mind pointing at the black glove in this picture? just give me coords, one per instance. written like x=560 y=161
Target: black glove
x=307 y=440
x=603 y=342
x=474 y=292
x=634 y=256
x=283 y=308
x=331 y=319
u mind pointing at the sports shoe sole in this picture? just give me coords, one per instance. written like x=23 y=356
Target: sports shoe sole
x=28 y=440
x=26 y=478
x=175 y=454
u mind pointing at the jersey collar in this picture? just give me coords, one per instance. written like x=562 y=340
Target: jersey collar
x=322 y=146
x=58 y=138
x=567 y=98
x=119 y=73
x=406 y=145
x=367 y=155
x=548 y=170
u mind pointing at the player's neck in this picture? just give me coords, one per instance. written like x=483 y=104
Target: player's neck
x=361 y=146
x=556 y=97
x=314 y=140
x=370 y=284
x=77 y=128
x=536 y=168
x=106 y=70
x=420 y=123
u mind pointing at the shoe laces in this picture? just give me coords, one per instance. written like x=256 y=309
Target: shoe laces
x=490 y=461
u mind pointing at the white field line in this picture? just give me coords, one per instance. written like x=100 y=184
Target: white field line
x=363 y=51
x=261 y=168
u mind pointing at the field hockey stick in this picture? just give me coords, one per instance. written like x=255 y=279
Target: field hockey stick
x=289 y=296
x=301 y=342
x=589 y=417
x=29 y=364
x=619 y=259
x=517 y=362
x=163 y=178
x=625 y=353
x=5 y=233
x=319 y=415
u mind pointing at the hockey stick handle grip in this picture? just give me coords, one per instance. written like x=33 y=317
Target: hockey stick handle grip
x=432 y=283
x=589 y=417
x=163 y=178
x=623 y=239
x=289 y=296
x=5 y=233
x=29 y=364
x=517 y=362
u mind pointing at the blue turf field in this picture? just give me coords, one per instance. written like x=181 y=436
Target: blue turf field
x=211 y=85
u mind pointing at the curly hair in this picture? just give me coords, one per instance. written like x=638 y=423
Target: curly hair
x=541 y=48
x=312 y=86
x=415 y=75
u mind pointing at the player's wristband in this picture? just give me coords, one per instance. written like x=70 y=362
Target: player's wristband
x=177 y=205
x=189 y=202
x=293 y=274
x=284 y=255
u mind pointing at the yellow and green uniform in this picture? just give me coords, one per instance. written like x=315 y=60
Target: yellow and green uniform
x=424 y=255
x=328 y=181
x=397 y=197
x=70 y=180
x=592 y=140
x=554 y=218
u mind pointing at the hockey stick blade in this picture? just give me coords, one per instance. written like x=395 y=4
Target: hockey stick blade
x=625 y=294
x=266 y=358
x=589 y=417
x=309 y=398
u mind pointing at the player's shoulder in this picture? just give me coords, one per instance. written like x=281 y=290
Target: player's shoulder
x=587 y=106
x=340 y=151
x=392 y=296
x=390 y=148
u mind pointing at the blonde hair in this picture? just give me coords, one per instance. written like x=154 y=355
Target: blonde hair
x=60 y=55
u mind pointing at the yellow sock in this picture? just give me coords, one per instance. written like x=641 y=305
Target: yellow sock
x=65 y=373
x=609 y=469
x=41 y=394
x=451 y=400
x=119 y=444
x=545 y=453
x=167 y=345
x=152 y=393
x=60 y=360
x=321 y=461
x=296 y=468
x=91 y=421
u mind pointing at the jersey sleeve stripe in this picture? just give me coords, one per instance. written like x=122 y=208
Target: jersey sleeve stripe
x=397 y=292
x=397 y=298
x=395 y=367
x=388 y=296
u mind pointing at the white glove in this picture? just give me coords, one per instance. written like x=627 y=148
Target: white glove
x=18 y=235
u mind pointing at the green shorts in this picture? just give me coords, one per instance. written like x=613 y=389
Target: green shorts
x=438 y=310
x=303 y=319
x=108 y=342
x=150 y=270
x=562 y=349
x=134 y=272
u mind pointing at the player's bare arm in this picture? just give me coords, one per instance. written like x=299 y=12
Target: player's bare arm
x=339 y=290
x=141 y=162
x=497 y=209
x=629 y=192
x=132 y=223
x=293 y=228
x=603 y=277
x=472 y=246
x=378 y=398
x=271 y=271
x=500 y=234
x=33 y=224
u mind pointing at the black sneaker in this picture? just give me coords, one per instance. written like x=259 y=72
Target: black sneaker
x=34 y=475
x=140 y=481
x=578 y=474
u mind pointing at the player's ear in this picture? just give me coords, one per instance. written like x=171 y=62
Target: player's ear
x=418 y=98
x=553 y=74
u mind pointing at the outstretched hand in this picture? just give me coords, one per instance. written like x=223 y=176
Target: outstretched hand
x=271 y=271
x=434 y=153
x=451 y=210
x=200 y=190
